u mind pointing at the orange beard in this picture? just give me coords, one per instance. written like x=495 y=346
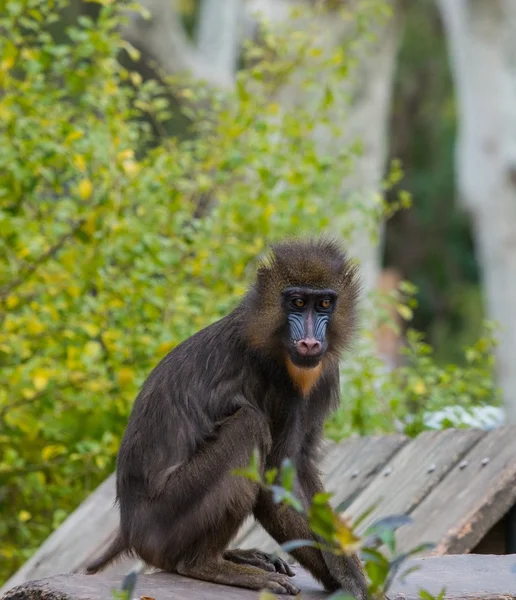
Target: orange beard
x=304 y=379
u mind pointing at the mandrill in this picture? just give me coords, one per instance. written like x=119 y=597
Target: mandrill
x=264 y=377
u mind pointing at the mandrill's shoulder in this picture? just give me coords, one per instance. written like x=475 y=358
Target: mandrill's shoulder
x=209 y=354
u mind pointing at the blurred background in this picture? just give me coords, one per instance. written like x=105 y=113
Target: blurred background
x=150 y=154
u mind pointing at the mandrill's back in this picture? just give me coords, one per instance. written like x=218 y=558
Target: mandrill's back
x=179 y=405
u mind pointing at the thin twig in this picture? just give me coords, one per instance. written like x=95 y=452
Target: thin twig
x=7 y=289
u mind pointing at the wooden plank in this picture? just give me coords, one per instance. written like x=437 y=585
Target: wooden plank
x=350 y=466
x=347 y=468
x=469 y=501
x=412 y=473
x=465 y=577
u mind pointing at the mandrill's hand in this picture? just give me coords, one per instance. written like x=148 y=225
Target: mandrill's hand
x=262 y=560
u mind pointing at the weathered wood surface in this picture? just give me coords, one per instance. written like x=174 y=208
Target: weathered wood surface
x=451 y=506
x=415 y=470
x=465 y=577
x=474 y=495
x=347 y=468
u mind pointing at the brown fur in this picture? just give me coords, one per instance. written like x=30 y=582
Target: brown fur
x=204 y=410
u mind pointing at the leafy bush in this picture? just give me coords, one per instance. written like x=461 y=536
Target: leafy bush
x=109 y=256
x=376 y=400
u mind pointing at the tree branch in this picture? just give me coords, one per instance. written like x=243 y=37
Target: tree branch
x=27 y=272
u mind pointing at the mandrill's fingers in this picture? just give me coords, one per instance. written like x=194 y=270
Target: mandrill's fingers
x=282 y=566
x=259 y=559
x=250 y=557
x=229 y=573
x=275 y=581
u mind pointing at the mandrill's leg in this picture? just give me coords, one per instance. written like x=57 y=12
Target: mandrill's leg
x=187 y=527
x=205 y=558
x=260 y=559
x=229 y=573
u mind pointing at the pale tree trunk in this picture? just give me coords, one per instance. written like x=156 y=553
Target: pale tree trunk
x=365 y=118
x=163 y=38
x=368 y=121
x=218 y=33
x=482 y=43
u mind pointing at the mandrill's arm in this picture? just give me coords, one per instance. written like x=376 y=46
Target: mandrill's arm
x=284 y=524
x=346 y=570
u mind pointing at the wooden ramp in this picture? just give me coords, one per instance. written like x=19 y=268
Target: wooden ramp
x=455 y=484
x=463 y=577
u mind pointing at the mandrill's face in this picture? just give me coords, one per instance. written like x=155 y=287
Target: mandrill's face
x=308 y=313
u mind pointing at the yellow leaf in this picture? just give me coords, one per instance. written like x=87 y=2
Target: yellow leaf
x=34 y=326
x=85 y=189
x=125 y=376
x=136 y=78
x=100 y=461
x=74 y=291
x=74 y=135
x=40 y=476
x=80 y=162
x=165 y=347
x=51 y=451
x=131 y=167
x=77 y=376
x=404 y=311
x=90 y=329
x=92 y=349
x=269 y=211
x=12 y=301
x=125 y=154
x=347 y=540
x=96 y=386
x=24 y=516
x=419 y=387
x=40 y=382
x=7 y=63
x=90 y=225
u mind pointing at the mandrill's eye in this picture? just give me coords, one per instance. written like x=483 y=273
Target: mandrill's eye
x=326 y=303
x=298 y=302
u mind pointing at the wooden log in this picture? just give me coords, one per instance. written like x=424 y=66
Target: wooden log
x=464 y=577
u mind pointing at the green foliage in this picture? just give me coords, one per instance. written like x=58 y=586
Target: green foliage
x=375 y=399
x=109 y=256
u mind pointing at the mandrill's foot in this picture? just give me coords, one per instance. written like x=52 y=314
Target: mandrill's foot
x=259 y=559
x=229 y=573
